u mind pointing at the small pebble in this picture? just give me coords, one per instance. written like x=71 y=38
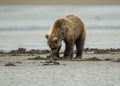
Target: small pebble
x=45 y=64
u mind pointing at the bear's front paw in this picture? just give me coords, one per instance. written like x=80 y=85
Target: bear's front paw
x=78 y=57
x=67 y=57
x=53 y=57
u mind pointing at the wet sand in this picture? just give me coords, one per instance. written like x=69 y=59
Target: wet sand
x=97 y=68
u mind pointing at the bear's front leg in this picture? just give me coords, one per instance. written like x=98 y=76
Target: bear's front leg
x=55 y=51
x=69 y=50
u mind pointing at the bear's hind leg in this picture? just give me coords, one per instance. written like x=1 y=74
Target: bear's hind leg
x=80 y=46
x=79 y=49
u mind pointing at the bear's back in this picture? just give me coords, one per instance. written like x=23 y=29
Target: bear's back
x=75 y=20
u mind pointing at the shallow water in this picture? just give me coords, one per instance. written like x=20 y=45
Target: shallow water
x=25 y=26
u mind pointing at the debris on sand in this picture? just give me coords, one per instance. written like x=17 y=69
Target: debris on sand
x=93 y=59
x=18 y=51
x=37 y=58
x=52 y=57
x=56 y=63
x=63 y=64
x=116 y=60
x=19 y=62
x=24 y=51
x=102 y=51
x=21 y=51
x=33 y=51
x=108 y=59
x=51 y=62
x=45 y=64
x=10 y=64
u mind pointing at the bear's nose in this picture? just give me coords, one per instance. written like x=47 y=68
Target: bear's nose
x=54 y=52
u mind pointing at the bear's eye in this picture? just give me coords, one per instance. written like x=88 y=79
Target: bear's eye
x=55 y=41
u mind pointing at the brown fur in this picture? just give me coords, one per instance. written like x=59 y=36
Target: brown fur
x=72 y=31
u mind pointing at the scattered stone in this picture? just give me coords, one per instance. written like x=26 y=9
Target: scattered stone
x=18 y=51
x=116 y=60
x=10 y=64
x=24 y=51
x=37 y=58
x=93 y=59
x=108 y=59
x=19 y=62
x=102 y=51
x=21 y=50
x=33 y=51
x=45 y=64
x=51 y=62
x=56 y=63
x=52 y=57
x=13 y=53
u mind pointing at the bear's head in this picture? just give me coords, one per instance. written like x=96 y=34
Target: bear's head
x=54 y=43
x=56 y=35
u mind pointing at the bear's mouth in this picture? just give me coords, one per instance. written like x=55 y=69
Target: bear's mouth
x=54 y=50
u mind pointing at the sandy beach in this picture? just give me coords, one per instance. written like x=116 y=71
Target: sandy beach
x=24 y=67
x=97 y=68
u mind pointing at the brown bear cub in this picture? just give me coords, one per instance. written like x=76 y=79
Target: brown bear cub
x=71 y=30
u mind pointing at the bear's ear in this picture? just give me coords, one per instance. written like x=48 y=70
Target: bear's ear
x=46 y=36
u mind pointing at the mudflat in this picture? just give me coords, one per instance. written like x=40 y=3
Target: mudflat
x=100 y=67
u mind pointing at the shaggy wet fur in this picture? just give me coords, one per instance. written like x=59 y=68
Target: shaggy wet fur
x=72 y=31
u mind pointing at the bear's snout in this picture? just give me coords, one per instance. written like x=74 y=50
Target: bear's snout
x=54 y=53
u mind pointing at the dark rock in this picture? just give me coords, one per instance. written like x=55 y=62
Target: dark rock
x=101 y=51
x=21 y=50
x=19 y=62
x=116 y=60
x=51 y=62
x=52 y=57
x=10 y=64
x=108 y=59
x=64 y=64
x=56 y=63
x=33 y=51
x=37 y=58
x=45 y=64
x=93 y=59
